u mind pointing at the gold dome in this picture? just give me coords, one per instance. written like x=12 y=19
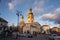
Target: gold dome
x=30 y=16
x=30 y=13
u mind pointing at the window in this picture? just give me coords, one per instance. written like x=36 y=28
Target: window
x=0 y=24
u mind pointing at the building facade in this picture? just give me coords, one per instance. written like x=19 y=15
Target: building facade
x=3 y=24
x=30 y=27
x=55 y=29
x=46 y=29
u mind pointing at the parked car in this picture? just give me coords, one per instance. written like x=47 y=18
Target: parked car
x=58 y=33
x=29 y=35
x=25 y=35
x=54 y=37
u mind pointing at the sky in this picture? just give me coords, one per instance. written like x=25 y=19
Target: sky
x=45 y=11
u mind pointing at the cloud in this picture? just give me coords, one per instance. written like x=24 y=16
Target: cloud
x=11 y=6
x=39 y=3
x=13 y=3
x=38 y=6
x=37 y=10
x=47 y=17
x=55 y=16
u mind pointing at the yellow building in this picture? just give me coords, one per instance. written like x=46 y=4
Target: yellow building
x=31 y=26
x=22 y=24
x=30 y=16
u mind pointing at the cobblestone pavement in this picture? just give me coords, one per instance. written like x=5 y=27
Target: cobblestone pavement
x=39 y=37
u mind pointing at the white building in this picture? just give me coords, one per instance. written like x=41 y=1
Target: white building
x=3 y=24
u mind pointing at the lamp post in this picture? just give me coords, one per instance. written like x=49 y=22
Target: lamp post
x=18 y=14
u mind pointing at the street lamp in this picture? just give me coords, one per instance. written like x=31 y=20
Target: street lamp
x=18 y=14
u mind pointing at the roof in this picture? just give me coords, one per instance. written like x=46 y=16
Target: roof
x=3 y=20
x=45 y=25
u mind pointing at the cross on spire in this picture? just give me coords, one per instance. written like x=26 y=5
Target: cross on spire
x=31 y=8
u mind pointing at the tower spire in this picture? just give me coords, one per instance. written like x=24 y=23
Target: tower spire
x=22 y=23
x=22 y=19
x=30 y=8
x=30 y=16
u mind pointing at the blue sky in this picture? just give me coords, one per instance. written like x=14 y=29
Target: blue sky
x=45 y=11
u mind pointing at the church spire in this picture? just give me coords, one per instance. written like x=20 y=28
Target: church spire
x=22 y=23
x=30 y=17
x=31 y=9
x=22 y=19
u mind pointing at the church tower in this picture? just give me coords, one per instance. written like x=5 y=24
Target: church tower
x=22 y=23
x=30 y=16
x=22 y=19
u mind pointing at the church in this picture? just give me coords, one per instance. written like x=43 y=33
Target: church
x=30 y=27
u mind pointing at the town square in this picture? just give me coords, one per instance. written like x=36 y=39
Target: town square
x=29 y=19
